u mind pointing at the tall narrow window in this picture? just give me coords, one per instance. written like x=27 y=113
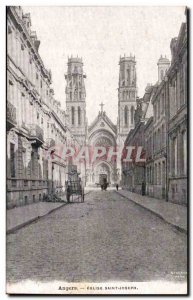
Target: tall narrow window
x=24 y=163
x=79 y=115
x=162 y=103
x=163 y=140
x=72 y=111
x=184 y=152
x=158 y=108
x=126 y=115
x=182 y=84
x=175 y=95
x=129 y=76
x=132 y=115
x=159 y=173
x=175 y=158
x=185 y=82
x=12 y=159
x=162 y=74
x=32 y=163
x=155 y=173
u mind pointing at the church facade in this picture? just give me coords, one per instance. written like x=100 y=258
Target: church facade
x=102 y=132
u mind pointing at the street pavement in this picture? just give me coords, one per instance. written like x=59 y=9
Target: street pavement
x=106 y=238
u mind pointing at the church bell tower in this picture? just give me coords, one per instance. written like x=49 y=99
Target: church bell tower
x=127 y=93
x=75 y=98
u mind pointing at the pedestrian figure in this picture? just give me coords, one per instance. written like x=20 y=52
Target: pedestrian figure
x=143 y=188
x=117 y=186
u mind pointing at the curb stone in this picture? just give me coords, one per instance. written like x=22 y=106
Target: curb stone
x=33 y=220
x=155 y=213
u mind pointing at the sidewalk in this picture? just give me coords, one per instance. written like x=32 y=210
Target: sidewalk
x=23 y=215
x=174 y=214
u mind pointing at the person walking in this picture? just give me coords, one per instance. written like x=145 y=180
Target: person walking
x=117 y=186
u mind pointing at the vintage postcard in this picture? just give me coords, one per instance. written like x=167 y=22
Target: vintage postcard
x=96 y=133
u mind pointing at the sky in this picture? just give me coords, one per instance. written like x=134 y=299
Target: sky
x=100 y=35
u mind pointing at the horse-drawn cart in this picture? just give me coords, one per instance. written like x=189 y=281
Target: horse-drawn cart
x=74 y=186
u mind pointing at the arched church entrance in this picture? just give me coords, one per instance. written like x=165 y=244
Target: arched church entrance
x=102 y=172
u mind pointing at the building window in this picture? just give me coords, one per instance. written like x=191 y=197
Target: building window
x=79 y=116
x=128 y=76
x=155 y=173
x=184 y=153
x=24 y=154
x=162 y=103
x=158 y=109
x=158 y=139
x=159 y=173
x=33 y=163
x=25 y=200
x=185 y=82
x=12 y=159
x=175 y=156
x=162 y=75
x=132 y=115
x=182 y=84
x=126 y=115
x=72 y=112
x=175 y=96
x=163 y=141
x=163 y=173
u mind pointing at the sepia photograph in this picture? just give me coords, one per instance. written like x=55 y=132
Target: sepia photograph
x=97 y=150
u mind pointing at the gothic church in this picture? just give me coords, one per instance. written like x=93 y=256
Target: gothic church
x=102 y=131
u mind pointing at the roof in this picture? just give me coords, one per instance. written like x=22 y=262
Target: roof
x=102 y=116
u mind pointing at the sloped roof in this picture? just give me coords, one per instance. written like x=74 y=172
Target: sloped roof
x=102 y=116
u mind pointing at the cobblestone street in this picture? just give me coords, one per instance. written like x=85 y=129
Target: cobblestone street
x=105 y=238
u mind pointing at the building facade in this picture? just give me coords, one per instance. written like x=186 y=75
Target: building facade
x=165 y=132
x=35 y=120
x=149 y=166
x=159 y=101
x=134 y=173
x=177 y=119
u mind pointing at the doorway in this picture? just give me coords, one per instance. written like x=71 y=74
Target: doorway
x=102 y=178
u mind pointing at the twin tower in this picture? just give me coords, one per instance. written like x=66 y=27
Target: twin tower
x=76 y=95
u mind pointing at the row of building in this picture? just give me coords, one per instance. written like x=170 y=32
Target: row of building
x=161 y=129
x=35 y=121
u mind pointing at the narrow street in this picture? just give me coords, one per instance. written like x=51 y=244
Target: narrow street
x=105 y=238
